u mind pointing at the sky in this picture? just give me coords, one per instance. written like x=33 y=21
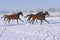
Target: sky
x=28 y=4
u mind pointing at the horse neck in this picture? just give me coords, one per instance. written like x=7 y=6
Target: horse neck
x=44 y=15
x=18 y=15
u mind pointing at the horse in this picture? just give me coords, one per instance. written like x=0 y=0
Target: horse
x=40 y=17
x=30 y=16
x=13 y=17
x=5 y=16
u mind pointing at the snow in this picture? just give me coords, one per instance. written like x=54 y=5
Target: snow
x=27 y=31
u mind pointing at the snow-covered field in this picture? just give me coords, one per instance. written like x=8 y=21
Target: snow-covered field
x=27 y=31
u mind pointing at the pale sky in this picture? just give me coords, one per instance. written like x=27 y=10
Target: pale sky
x=28 y=4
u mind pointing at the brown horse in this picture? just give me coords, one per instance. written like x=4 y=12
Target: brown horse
x=40 y=17
x=30 y=16
x=5 y=16
x=13 y=17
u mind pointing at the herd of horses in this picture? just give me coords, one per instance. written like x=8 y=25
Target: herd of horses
x=31 y=17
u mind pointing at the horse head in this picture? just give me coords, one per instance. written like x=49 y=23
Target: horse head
x=46 y=13
x=20 y=13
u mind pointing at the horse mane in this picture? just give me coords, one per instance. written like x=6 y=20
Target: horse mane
x=39 y=13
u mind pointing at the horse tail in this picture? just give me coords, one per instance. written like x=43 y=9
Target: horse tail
x=2 y=17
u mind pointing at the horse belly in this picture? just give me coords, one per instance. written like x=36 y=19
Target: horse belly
x=40 y=18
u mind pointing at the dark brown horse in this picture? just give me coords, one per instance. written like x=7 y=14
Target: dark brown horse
x=40 y=17
x=30 y=16
x=13 y=17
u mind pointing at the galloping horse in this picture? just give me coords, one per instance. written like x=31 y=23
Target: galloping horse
x=5 y=16
x=40 y=17
x=13 y=17
x=30 y=16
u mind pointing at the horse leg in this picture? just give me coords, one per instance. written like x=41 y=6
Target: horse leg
x=5 y=21
x=33 y=21
x=36 y=20
x=21 y=20
x=17 y=20
x=29 y=19
x=4 y=18
x=46 y=21
x=8 y=21
x=41 y=22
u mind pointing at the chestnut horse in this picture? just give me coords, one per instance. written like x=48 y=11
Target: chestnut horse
x=40 y=17
x=5 y=16
x=13 y=17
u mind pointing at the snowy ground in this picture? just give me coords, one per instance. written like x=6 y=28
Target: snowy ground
x=27 y=31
